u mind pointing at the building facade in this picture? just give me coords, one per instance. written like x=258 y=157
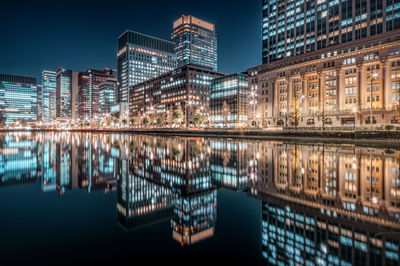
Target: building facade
x=195 y=42
x=335 y=86
x=141 y=57
x=228 y=101
x=18 y=98
x=89 y=92
x=186 y=88
x=107 y=95
x=297 y=27
x=48 y=90
x=66 y=94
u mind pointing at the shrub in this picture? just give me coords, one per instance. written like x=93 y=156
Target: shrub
x=390 y=127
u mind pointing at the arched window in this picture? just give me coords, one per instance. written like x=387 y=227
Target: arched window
x=328 y=121
x=280 y=122
x=310 y=121
x=368 y=120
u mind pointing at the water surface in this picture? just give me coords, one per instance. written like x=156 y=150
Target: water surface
x=107 y=198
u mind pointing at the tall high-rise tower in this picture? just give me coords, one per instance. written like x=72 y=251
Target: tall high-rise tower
x=195 y=42
x=141 y=57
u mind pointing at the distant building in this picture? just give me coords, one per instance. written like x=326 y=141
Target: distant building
x=298 y=27
x=49 y=86
x=66 y=92
x=18 y=98
x=120 y=111
x=232 y=90
x=141 y=57
x=186 y=88
x=195 y=42
x=88 y=92
x=107 y=93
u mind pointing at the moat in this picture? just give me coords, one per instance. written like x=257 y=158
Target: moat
x=107 y=198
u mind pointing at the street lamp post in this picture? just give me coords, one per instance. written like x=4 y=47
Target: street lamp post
x=354 y=124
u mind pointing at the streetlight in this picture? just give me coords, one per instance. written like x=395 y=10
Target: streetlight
x=354 y=112
x=372 y=77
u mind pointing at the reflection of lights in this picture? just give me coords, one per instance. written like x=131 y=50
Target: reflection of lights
x=324 y=248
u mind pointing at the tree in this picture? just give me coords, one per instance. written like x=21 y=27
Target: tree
x=160 y=121
x=295 y=112
x=170 y=117
x=146 y=121
x=225 y=113
x=322 y=114
x=177 y=115
x=116 y=121
x=3 y=118
x=133 y=122
x=139 y=119
x=198 y=119
x=124 y=121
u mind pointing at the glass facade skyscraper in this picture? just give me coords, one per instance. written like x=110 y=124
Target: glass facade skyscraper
x=296 y=27
x=88 y=91
x=139 y=58
x=231 y=91
x=107 y=91
x=64 y=93
x=18 y=98
x=195 y=42
x=48 y=90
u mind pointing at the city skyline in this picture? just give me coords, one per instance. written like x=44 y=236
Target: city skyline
x=75 y=40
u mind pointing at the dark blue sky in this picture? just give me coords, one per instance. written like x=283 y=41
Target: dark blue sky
x=77 y=35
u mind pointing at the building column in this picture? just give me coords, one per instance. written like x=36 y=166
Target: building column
x=289 y=97
x=340 y=89
x=275 y=100
x=387 y=103
x=303 y=108
x=361 y=87
x=321 y=98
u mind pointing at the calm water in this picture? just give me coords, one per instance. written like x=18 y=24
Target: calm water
x=69 y=198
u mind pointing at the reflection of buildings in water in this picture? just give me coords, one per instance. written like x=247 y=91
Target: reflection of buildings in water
x=18 y=159
x=141 y=202
x=229 y=163
x=332 y=189
x=295 y=234
x=194 y=217
x=335 y=176
x=48 y=156
x=167 y=178
x=96 y=166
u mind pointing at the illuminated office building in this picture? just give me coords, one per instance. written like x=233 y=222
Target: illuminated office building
x=231 y=91
x=297 y=27
x=342 y=84
x=18 y=98
x=89 y=92
x=141 y=57
x=66 y=93
x=49 y=86
x=195 y=42
x=337 y=60
x=107 y=93
x=185 y=87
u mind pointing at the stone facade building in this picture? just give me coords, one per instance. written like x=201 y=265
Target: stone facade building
x=334 y=86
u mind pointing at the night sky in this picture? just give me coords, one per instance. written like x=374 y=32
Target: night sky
x=77 y=35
